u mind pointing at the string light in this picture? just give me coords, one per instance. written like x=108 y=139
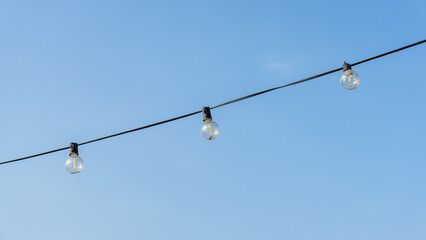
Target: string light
x=210 y=130
x=74 y=164
x=349 y=78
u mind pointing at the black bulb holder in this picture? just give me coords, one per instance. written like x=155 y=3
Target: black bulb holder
x=346 y=66
x=206 y=114
x=74 y=148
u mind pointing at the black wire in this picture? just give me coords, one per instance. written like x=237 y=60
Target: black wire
x=102 y=138
x=390 y=52
x=275 y=88
x=140 y=128
x=220 y=105
x=35 y=155
x=319 y=75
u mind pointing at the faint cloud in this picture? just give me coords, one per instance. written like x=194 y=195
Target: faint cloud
x=276 y=66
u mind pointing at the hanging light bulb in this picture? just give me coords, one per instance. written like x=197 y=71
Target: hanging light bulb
x=74 y=164
x=349 y=78
x=210 y=129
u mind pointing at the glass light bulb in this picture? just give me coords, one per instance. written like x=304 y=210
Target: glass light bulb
x=74 y=164
x=349 y=79
x=210 y=130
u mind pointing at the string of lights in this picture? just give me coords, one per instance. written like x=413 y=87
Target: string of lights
x=210 y=129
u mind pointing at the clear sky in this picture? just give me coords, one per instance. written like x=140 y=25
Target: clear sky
x=309 y=162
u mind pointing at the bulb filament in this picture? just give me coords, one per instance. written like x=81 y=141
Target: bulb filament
x=350 y=79
x=210 y=129
x=74 y=162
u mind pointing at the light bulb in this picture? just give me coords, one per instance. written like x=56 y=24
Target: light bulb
x=74 y=164
x=349 y=78
x=210 y=129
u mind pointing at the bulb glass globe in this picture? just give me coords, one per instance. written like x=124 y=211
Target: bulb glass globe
x=349 y=79
x=210 y=130
x=74 y=164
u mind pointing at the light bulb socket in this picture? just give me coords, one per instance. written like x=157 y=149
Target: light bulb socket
x=74 y=148
x=346 y=66
x=206 y=114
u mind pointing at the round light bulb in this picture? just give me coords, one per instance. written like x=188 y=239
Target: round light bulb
x=349 y=79
x=74 y=164
x=210 y=130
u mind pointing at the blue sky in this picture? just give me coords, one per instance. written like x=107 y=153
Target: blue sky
x=313 y=161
